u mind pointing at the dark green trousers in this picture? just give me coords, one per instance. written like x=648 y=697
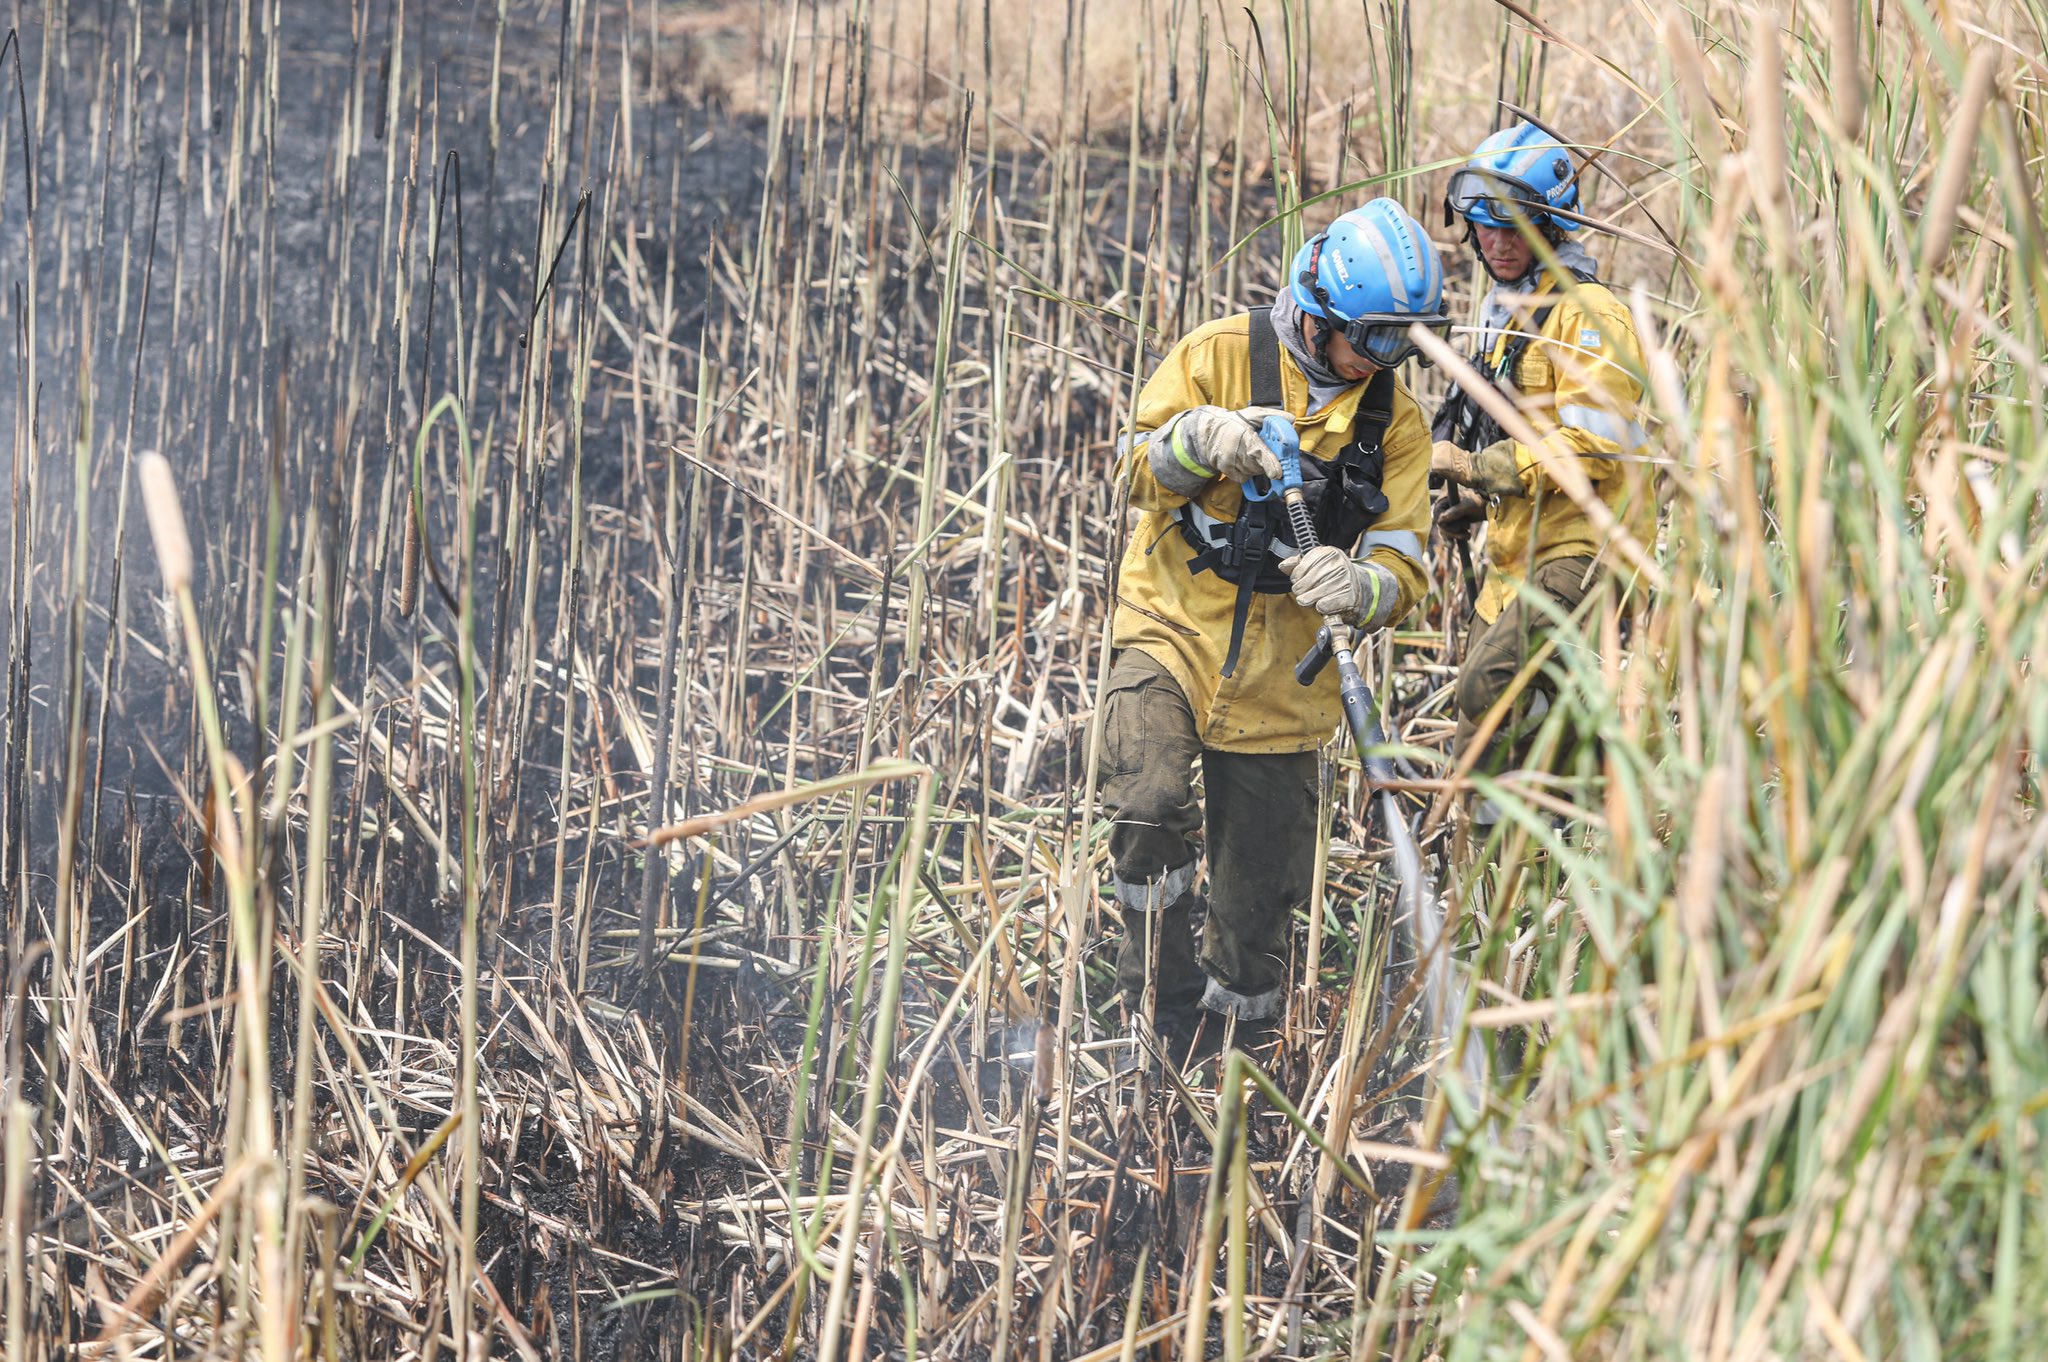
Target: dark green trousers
x=1496 y=653
x=1260 y=824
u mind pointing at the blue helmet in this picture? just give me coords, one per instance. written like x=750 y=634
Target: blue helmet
x=1518 y=171
x=1370 y=276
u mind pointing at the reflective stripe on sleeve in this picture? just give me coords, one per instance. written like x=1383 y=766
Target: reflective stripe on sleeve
x=1400 y=541
x=1187 y=460
x=1386 y=598
x=1604 y=424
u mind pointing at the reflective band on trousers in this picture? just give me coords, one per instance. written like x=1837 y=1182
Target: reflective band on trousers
x=1243 y=1006
x=1145 y=895
x=1604 y=424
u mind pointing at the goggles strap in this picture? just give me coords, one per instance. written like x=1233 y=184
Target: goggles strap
x=1312 y=277
x=1323 y=333
x=1312 y=280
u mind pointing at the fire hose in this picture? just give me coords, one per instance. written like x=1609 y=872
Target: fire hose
x=1421 y=908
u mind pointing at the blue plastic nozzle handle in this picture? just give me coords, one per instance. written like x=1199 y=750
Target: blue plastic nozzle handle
x=1278 y=433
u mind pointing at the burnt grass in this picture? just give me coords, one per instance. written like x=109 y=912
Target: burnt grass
x=274 y=292
x=243 y=377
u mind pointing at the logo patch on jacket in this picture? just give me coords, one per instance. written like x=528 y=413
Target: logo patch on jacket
x=1589 y=338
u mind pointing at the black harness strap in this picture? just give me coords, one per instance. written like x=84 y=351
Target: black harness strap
x=1242 y=556
x=1375 y=414
x=1255 y=550
x=1267 y=390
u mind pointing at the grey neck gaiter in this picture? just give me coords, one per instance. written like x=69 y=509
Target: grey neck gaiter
x=1323 y=384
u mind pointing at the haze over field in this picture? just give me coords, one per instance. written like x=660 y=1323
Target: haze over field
x=560 y=865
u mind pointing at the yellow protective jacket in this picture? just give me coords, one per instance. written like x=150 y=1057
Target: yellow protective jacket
x=1182 y=619
x=1576 y=383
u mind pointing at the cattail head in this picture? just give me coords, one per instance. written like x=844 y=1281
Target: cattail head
x=1845 y=80
x=166 y=520
x=1766 y=110
x=1691 y=70
x=1937 y=226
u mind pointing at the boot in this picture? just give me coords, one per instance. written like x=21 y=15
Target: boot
x=1177 y=982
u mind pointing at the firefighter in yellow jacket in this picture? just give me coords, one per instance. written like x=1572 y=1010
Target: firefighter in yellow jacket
x=1215 y=605
x=1563 y=349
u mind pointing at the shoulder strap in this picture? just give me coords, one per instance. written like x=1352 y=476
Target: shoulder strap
x=1265 y=358
x=1375 y=409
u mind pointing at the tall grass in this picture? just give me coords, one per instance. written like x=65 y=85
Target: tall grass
x=1784 y=993
x=633 y=658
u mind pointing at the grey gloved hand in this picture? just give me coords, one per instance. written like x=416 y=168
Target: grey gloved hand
x=1255 y=417
x=1224 y=442
x=1329 y=583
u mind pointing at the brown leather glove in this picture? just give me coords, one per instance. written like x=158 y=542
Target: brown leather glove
x=1491 y=471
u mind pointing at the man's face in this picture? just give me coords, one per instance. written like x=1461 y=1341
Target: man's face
x=1507 y=253
x=1351 y=366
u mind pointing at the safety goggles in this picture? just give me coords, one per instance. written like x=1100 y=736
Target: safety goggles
x=1381 y=337
x=1503 y=197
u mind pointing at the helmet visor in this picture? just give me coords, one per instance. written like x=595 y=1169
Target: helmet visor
x=1383 y=338
x=1488 y=196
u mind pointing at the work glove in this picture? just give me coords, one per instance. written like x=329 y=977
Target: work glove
x=1256 y=416
x=1225 y=442
x=1457 y=513
x=1491 y=471
x=1328 y=582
